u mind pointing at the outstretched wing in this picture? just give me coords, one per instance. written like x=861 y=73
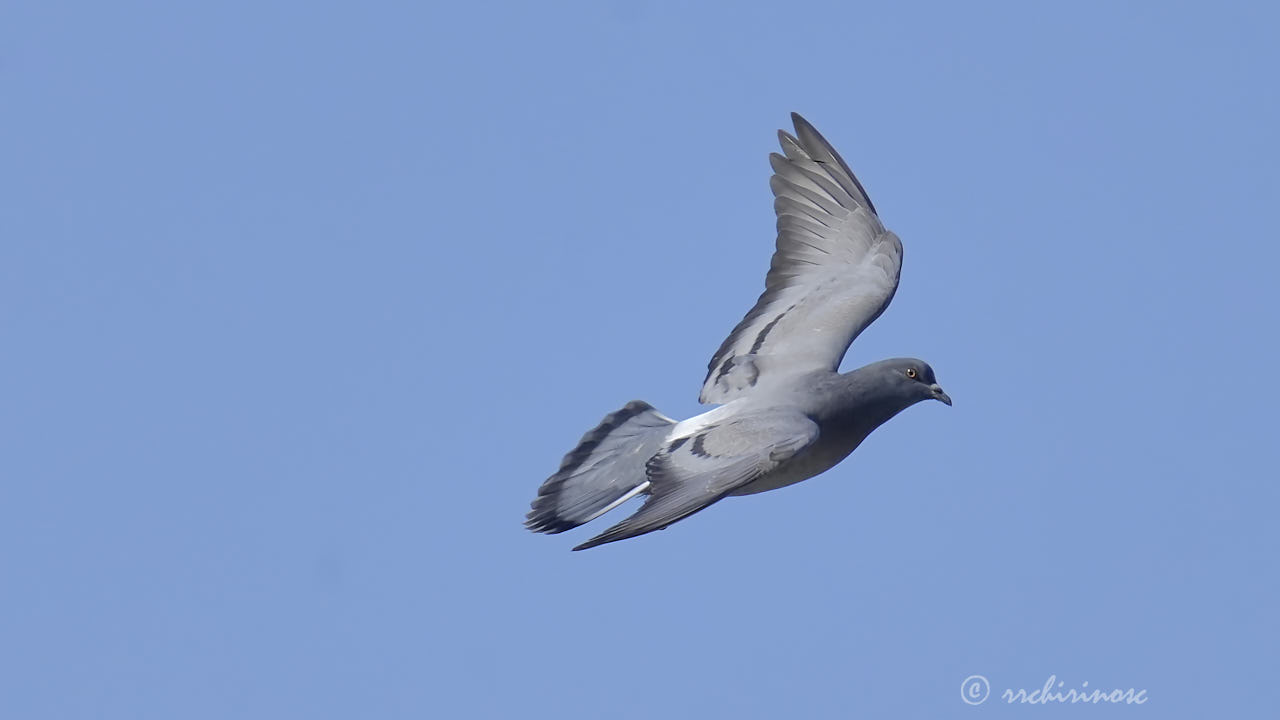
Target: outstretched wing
x=694 y=471
x=835 y=270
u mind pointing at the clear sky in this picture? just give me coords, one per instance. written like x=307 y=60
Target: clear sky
x=300 y=303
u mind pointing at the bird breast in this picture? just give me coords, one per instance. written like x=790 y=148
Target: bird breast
x=829 y=450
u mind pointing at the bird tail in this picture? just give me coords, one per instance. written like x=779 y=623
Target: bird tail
x=606 y=469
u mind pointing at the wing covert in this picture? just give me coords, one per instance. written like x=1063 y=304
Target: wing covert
x=695 y=471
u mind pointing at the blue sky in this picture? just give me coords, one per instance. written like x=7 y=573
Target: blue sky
x=301 y=302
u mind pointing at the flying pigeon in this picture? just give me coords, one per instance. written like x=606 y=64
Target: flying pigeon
x=785 y=413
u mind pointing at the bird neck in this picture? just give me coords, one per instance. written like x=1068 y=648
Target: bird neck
x=865 y=400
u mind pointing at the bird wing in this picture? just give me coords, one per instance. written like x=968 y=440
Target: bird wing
x=694 y=471
x=835 y=270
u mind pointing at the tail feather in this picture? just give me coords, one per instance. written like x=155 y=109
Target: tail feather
x=603 y=471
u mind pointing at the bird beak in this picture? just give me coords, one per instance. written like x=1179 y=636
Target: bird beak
x=938 y=395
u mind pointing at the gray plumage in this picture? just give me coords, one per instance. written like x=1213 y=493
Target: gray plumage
x=601 y=469
x=786 y=413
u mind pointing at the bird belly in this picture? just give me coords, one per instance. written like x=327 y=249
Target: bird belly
x=816 y=460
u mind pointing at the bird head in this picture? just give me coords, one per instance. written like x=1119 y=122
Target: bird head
x=913 y=379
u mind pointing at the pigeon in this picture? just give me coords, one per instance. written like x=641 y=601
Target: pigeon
x=784 y=411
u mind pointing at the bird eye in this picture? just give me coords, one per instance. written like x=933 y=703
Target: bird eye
x=911 y=373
